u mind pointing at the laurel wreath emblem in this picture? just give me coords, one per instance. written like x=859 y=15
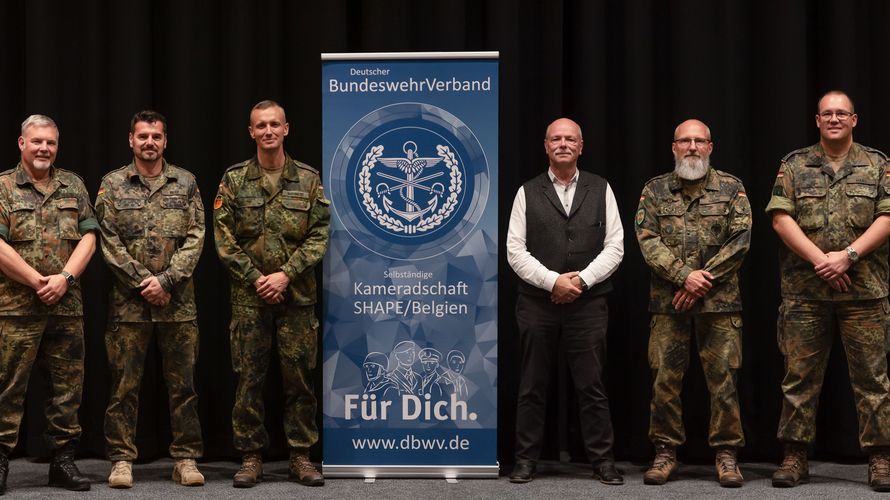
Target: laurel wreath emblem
x=425 y=224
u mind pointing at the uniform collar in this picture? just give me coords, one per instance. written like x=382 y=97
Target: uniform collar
x=290 y=171
x=167 y=172
x=855 y=157
x=22 y=178
x=712 y=181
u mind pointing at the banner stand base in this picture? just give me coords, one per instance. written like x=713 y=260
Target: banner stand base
x=412 y=471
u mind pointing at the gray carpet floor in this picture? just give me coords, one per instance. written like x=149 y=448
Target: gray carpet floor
x=27 y=479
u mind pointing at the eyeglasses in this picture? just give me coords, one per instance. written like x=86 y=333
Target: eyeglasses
x=841 y=115
x=688 y=141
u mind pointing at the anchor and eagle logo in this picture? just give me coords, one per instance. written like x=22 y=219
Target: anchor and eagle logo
x=416 y=194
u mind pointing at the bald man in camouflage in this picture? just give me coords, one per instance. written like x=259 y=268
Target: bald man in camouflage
x=694 y=229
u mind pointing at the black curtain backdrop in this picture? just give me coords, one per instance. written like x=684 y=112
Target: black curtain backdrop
x=627 y=71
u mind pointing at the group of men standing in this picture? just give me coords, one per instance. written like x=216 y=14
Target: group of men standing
x=271 y=228
x=831 y=208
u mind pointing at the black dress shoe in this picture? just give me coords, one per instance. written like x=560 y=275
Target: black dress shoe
x=607 y=473
x=523 y=472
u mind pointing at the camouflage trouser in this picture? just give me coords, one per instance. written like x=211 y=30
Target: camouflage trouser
x=56 y=342
x=295 y=330
x=805 y=337
x=127 y=344
x=719 y=338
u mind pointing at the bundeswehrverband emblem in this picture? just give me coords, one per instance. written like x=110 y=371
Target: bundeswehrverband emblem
x=410 y=194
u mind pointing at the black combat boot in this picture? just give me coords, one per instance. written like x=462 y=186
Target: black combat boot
x=63 y=472
x=4 y=471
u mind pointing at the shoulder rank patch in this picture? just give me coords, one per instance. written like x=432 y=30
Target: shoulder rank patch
x=101 y=192
x=217 y=202
x=641 y=216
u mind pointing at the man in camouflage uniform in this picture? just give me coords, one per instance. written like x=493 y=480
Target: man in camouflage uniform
x=46 y=240
x=152 y=226
x=831 y=207
x=694 y=229
x=270 y=221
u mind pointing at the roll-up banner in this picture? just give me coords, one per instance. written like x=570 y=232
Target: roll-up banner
x=410 y=280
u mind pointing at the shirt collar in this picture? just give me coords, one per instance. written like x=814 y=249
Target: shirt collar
x=554 y=179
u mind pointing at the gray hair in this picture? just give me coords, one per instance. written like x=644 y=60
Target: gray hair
x=38 y=121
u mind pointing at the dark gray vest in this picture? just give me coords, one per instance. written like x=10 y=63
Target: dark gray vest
x=563 y=242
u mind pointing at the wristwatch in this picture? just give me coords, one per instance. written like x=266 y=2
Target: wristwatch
x=583 y=284
x=69 y=278
x=853 y=255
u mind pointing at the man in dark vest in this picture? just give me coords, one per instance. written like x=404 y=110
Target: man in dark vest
x=565 y=240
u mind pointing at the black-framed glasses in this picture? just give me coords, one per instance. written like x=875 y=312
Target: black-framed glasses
x=688 y=141
x=840 y=114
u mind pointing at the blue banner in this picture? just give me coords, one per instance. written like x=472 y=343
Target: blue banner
x=410 y=280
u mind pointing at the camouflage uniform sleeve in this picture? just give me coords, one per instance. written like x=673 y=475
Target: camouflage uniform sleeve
x=4 y=218
x=731 y=254
x=232 y=256
x=883 y=205
x=783 y=192
x=86 y=221
x=185 y=258
x=315 y=245
x=657 y=255
x=125 y=268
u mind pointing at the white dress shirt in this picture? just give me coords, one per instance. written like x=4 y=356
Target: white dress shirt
x=536 y=274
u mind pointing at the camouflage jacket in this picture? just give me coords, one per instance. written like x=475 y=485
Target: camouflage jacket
x=678 y=234
x=258 y=232
x=833 y=209
x=151 y=233
x=43 y=229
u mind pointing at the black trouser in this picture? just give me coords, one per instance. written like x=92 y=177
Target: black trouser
x=577 y=329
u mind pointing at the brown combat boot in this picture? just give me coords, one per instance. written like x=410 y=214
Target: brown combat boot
x=302 y=470
x=121 y=475
x=251 y=471
x=663 y=466
x=879 y=470
x=728 y=473
x=794 y=469
x=186 y=473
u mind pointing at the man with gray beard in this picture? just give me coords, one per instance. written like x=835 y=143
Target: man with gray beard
x=694 y=229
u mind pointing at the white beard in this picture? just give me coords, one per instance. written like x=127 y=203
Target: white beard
x=692 y=168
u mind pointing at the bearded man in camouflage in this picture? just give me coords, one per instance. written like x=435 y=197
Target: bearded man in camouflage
x=831 y=207
x=694 y=229
x=152 y=227
x=47 y=236
x=270 y=220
